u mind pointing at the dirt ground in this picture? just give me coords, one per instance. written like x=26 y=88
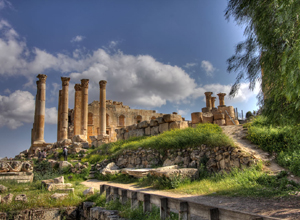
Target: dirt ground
x=282 y=208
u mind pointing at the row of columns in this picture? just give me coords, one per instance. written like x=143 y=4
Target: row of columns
x=210 y=101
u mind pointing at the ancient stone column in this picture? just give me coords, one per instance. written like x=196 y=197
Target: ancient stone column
x=213 y=99
x=208 y=99
x=33 y=130
x=84 y=106
x=65 y=108
x=77 y=109
x=221 y=99
x=102 y=109
x=40 y=110
x=59 y=115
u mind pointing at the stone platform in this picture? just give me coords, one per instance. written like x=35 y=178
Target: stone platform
x=20 y=177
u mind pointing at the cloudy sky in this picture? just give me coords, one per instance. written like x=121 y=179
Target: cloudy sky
x=160 y=55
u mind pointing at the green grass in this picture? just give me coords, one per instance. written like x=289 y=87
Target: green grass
x=284 y=141
x=39 y=197
x=208 y=134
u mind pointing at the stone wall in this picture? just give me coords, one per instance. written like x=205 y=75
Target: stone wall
x=215 y=158
x=152 y=127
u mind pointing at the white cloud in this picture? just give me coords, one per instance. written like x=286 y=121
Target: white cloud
x=208 y=67
x=18 y=108
x=7 y=91
x=183 y=112
x=188 y=65
x=78 y=38
x=4 y=4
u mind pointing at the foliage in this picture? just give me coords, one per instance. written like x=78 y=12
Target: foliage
x=251 y=182
x=249 y=114
x=208 y=134
x=273 y=43
x=285 y=141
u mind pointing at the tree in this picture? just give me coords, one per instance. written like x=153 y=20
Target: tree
x=270 y=55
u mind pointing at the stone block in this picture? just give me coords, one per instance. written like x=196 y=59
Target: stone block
x=205 y=110
x=163 y=127
x=153 y=123
x=154 y=130
x=126 y=135
x=59 y=195
x=172 y=117
x=143 y=124
x=77 y=145
x=229 y=122
x=228 y=109
x=178 y=125
x=89 y=191
x=85 y=145
x=63 y=164
x=66 y=142
x=197 y=117
x=7 y=199
x=3 y=189
x=208 y=119
x=220 y=122
x=160 y=120
x=59 y=179
x=132 y=127
x=66 y=190
x=218 y=115
x=148 y=131
x=21 y=197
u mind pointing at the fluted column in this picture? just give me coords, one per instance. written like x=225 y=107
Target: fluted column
x=65 y=108
x=102 y=109
x=208 y=99
x=221 y=99
x=40 y=110
x=77 y=110
x=59 y=115
x=84 y=107
x=213 y=99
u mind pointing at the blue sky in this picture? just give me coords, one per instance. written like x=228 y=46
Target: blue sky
x=160 y=55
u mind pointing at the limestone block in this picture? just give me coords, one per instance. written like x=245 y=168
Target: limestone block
x=179 y=125
x=66 y=190
x=77 y=145
x=218 y=115
x=21 y=197
x=27 y=167
x=55 y=186
x=66 y=142
x=153 y=123
x=126 y=135
x=197 y=117
x=3 y=189
x=89 y=191
x=7 y=199
x=132 y=127
x=229 y=109
x=220 y=122
x=160 y=120
x=94 y=138
x=63 y=164
x=143 y=124
x=208 y=119
x=168 y=162
x=59 y=195
x=95 y=143
x=229 y=122
x=85 y=145
x=59 y=179
x=148 y=131
x=120 y=136
x=205 y=110
x=154 y=130
x=163 y=127
x=139 y=132
x=172 y=117
x=4 y=167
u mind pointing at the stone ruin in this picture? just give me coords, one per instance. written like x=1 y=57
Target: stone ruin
x=19 y=171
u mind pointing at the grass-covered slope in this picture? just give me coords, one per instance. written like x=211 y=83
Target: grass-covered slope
x=208 y=134
x=283 y=141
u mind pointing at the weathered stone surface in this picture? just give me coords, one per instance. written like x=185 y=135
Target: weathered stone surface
x=66 y=190
x=111 y=168
x=27 y=167
x=172 y=117
x=63 y=164
x=154 y=130
x=66 y=142
x=143 y=124
x=22 y=198
x=220 y=122
x=197 y=117
x=208 y=117
x=168 y=162
x=138 y=173
x=85 y=145
x=160 y=120
x=178 y=125
x=59 y=195
x=15 y=166
x=191 y=173
x=7 y=199
x=59 y=179
x=79 y=138
x=89 y=191
x=4 y=166
x=55 y=186
x=218 y=115
x=77 y=145
x=153 y=123
x=163 y=127
x=3 y=189
x=148 y=131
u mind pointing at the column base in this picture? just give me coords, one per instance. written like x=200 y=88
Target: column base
x=102 y=139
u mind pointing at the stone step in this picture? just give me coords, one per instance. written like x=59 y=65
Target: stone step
x=91 y=176
x=92 y=171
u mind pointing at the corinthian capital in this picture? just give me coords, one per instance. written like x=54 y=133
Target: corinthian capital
x=42 y=78
x=84 y=83
x=77 y=87
x=221 y=95
x=208 y=94
x=65 y=81
x=102 y=84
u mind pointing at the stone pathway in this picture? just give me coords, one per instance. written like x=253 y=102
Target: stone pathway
x=238 y=135
x=282 y=208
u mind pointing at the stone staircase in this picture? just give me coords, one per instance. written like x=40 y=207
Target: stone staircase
x=92 y=172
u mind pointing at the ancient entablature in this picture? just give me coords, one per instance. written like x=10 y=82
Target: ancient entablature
x=101 y=119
